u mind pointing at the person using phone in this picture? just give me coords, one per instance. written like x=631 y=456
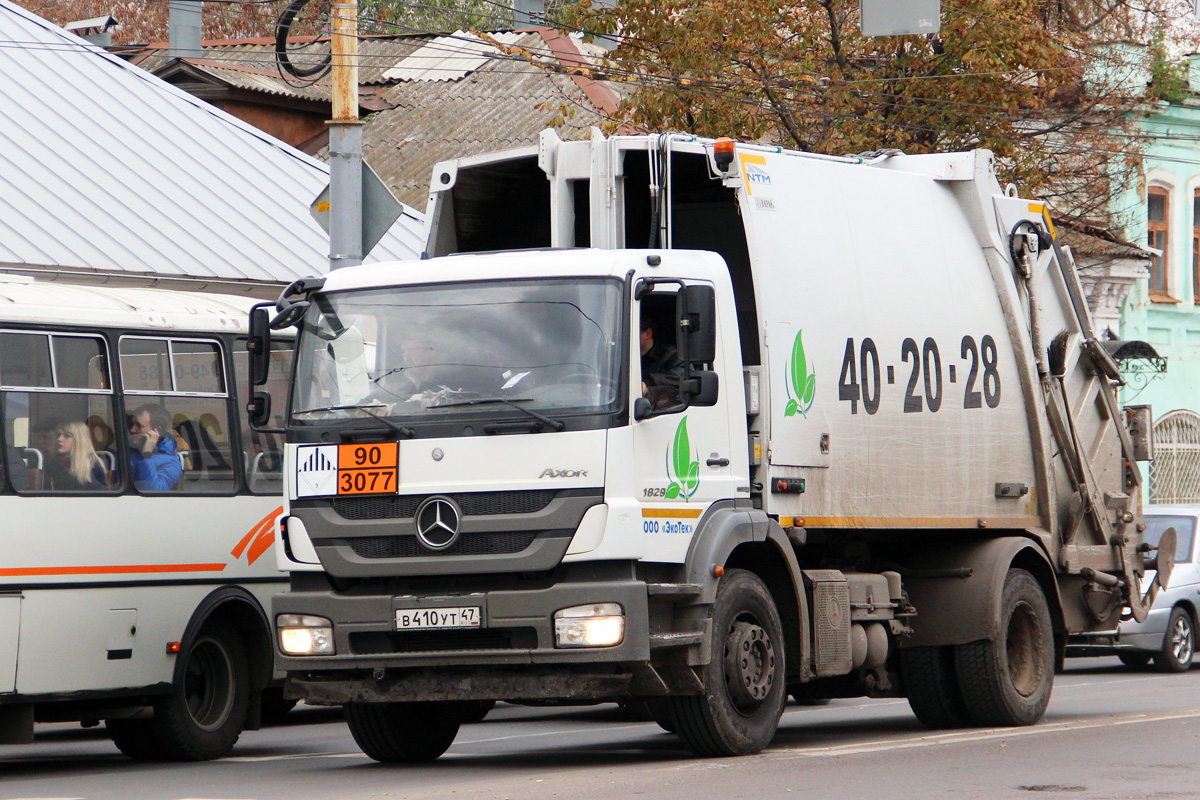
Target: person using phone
x=153 y=454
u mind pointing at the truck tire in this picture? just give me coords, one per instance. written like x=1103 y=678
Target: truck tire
x=403 y=732
x=1179 y=644
x=931 y=684
x=1007 y=681
x=745 y=683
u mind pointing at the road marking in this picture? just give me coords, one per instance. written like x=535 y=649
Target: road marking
x=591 y=729
x=939 y=739
x=288 y=757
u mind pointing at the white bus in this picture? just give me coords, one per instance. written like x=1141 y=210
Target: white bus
x=138 y=519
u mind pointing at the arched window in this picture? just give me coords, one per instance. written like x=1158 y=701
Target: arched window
x=1175 y=471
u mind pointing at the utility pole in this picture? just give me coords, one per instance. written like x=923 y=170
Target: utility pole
x=345 y=141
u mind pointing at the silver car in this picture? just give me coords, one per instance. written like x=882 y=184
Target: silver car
x=1169 y=633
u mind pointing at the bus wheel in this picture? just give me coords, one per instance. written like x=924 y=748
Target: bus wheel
x=932 y=687
x=403 y=732
x=745 y=687
x=1007 y=681
x=204 y=714
x=275 y=706
x=134 y=738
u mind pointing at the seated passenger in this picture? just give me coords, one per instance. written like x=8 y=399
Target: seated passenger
x=153 y=456
x=662 y=369
x=73 y=465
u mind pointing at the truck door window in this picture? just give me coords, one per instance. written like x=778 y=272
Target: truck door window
x=661 y=366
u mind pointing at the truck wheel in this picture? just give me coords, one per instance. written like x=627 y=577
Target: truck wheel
x=932 y=687
x=1008 y=681
x=745 y=682
x=403 y=732
x=1179 y=645
x=203 y=716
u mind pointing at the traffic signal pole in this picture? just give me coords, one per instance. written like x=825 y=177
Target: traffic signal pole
x=345 y=140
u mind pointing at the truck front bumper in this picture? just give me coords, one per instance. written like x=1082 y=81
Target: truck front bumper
x=516 y=629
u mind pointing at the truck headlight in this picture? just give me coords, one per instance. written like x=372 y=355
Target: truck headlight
x=302 y=635
x=595 y=625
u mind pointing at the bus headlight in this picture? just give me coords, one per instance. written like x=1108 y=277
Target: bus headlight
x=302 y=635
x=595 y=625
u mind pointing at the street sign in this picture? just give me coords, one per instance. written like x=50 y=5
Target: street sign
x=899 y=17
x=379 y=209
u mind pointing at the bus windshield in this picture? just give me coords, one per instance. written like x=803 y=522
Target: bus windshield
x=425 y=351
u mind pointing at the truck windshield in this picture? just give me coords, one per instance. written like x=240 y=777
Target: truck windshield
x=546 y=347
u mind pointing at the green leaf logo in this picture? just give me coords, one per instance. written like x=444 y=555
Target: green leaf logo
x=801 y=384
x=682 y=469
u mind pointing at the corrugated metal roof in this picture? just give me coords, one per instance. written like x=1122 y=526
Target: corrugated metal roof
x=447 y=58
x=106 y=169
x=503 y=104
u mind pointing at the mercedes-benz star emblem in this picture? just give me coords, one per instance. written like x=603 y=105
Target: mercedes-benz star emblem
x=437 y=522
x=437 y=454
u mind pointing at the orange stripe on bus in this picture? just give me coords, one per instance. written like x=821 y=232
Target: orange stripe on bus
x=129 y=569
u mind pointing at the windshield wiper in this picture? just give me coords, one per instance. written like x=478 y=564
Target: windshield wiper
x=556 y=424
x=353 y=407
x=403 y=430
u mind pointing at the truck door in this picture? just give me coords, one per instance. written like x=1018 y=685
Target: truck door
x=682 y=455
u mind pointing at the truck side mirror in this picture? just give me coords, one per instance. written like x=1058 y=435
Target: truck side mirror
x=700 y=388
x=258 y=410
x=696 y=310
x=259 y=343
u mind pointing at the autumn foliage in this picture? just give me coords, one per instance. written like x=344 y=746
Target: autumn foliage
x=1050 y=87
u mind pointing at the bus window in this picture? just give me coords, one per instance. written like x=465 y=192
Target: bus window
x=25 y=360
x=175 y=392
x=263 y=452
x=58 y=421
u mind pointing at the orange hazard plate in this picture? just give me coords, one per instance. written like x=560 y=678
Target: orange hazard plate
x=368 y=468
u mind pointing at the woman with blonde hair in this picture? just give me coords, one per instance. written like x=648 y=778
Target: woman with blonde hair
x=74 y=465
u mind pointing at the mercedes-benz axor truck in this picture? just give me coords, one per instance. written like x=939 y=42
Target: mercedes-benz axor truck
x=721 y=425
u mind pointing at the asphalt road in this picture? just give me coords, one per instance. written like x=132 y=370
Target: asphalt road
x=1109 y=733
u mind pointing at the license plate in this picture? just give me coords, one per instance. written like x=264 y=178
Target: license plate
x=424 y=619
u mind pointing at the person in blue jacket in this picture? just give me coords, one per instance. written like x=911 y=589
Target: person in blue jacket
x=153 y=456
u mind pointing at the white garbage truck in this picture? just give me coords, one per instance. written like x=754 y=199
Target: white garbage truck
x=719 y=425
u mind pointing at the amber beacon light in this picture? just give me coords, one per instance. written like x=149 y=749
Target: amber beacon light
x=723 y=153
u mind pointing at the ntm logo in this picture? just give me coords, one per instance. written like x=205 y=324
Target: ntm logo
x=754 y=170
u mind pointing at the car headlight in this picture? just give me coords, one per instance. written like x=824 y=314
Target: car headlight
x=595 y=625
x=302 y=635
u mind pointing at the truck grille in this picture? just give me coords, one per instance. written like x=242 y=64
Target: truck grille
x=469 y=544
x=473 y=504
x=369 y=643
